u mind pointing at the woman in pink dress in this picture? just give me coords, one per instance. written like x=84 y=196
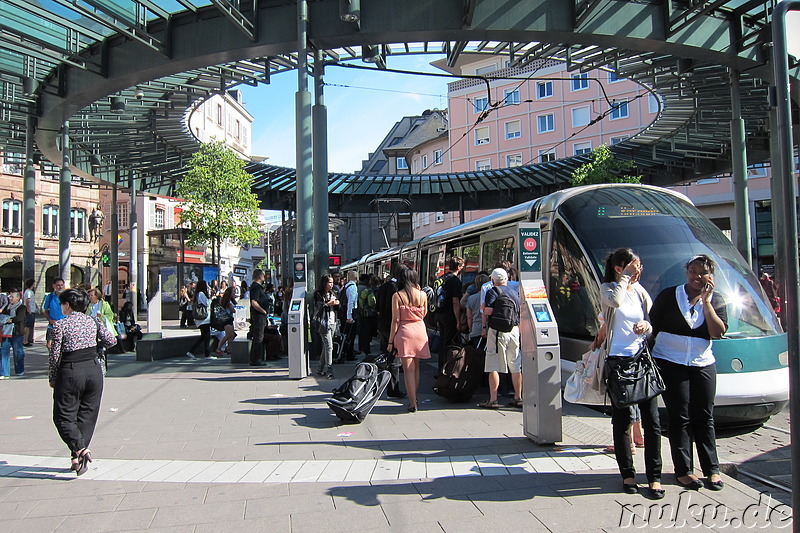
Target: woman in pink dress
x=408 y=335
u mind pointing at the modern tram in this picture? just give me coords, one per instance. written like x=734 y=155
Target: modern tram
x=580 y=226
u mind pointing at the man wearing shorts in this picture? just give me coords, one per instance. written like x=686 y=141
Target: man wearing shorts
x=502 y=348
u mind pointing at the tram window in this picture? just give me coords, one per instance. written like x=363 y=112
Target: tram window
x=574 y=294
x=472 y=263
x=435 y=267
x=496 y=251
x=408 y=258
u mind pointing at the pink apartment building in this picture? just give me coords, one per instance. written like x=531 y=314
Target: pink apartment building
x=545 y=112
x=537 y=113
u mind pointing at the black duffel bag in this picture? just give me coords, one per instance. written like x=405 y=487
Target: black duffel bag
x=630 y=380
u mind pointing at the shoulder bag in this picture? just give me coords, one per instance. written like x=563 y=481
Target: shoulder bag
x=630 y=380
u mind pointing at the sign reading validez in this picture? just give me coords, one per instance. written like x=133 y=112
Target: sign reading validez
x=530 y=239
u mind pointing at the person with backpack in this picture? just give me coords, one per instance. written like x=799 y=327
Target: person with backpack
x=501 y=330
x=367 y=313
x=448 y=289
x=348 y=314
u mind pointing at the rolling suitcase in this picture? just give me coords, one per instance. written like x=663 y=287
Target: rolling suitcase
x=462 y=373
x=356 y=397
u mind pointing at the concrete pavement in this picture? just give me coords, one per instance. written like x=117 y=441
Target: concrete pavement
x=205 y=446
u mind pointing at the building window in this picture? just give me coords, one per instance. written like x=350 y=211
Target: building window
x=238 y=130
x=513 y=129
x=613 y=77
x=439 y=217
x=546 y=123
x=12 y=217
x=583 y=148
x=511 y=97
x=485 y=70
x=424 y=161
x=437 y=157
x=707 y=181
x=619 y=109
x=123 y=211
x=426 y=219
x=482 y=135
x=77 y=224
x=617 y=140
x=479 y=105
x=580 y=81
x=652 y=103
x=580 y=116
x=50 y=221
x=219 y=114
x=483 y=165
x=544 y=89
x=158 y=218
x=759 y=170
x=209 y=110
x=514 y=160
x=547 y=155
x=401 y=163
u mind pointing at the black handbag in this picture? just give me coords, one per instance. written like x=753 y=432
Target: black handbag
x=630 y=380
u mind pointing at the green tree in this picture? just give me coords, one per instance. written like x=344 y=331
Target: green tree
x=604 y=168
x=218 y=199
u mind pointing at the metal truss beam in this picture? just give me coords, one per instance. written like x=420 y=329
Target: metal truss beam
x=239 y=19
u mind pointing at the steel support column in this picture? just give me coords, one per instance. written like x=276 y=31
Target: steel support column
x=303 y=150
x=783 y=170
x=64 y=208
x=29 y=207
x=320 y=170
x=133 y=266
x=741 y=202
x=114 y=241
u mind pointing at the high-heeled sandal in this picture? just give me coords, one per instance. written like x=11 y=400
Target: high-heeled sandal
x=84 y=458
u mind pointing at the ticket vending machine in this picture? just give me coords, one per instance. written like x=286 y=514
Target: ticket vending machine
x=539 y=345
x=296 y=321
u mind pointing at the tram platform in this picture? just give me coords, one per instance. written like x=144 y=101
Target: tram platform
x=186 y=445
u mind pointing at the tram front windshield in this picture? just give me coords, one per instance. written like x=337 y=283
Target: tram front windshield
x=665 y=232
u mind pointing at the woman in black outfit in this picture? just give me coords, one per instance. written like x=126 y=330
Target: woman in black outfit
x=201 y=300
x=685 y=320
x=76 y=375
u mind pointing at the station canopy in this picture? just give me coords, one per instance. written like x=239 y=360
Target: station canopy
x=126 y=75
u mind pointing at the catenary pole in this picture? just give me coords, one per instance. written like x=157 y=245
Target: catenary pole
x=65 y=204
x=29 y=207
x=783 y=169
x=303 y=150
x=320 y=169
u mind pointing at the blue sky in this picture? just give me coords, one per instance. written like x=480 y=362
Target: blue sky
x=362 y=106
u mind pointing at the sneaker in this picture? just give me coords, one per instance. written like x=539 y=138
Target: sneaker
x=320 y=373
x=330 y=375
x=191 y=356
x=28 y=344
x=21 y=374
x=212 y=356
x=3 y=377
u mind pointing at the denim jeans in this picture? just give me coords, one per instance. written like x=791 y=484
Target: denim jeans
x=14 y=342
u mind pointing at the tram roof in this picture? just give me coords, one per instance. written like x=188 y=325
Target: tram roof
x=62 y=60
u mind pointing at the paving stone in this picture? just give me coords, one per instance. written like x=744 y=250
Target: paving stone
x=139 y=519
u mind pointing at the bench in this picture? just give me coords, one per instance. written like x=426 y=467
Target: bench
x=154 y=347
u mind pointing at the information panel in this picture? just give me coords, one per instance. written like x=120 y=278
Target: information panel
x=530 y=256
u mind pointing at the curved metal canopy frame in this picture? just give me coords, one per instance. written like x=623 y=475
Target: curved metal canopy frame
x=72 y=59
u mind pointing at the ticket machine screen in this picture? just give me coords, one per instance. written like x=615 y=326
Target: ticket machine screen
x=541 y=313
x=295 y=305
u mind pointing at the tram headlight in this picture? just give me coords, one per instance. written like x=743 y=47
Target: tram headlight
x=737 y=365
x=783 y=358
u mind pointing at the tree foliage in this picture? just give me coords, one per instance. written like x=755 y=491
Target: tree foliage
x=604 y=168
x=218 y=197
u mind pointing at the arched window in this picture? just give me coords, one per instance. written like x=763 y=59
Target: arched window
x=12 y=216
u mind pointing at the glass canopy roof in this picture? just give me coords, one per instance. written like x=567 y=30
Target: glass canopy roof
x=39 y=38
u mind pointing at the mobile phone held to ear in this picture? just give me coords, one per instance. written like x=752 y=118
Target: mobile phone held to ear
x=708 y=287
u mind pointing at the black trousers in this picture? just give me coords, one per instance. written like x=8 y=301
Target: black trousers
x=448 y=331
x=76 y=402
x=205 y=337
x=349 y=330
x=367 y=327
x=258 y=322
x=689 y=399
x=621 y=420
